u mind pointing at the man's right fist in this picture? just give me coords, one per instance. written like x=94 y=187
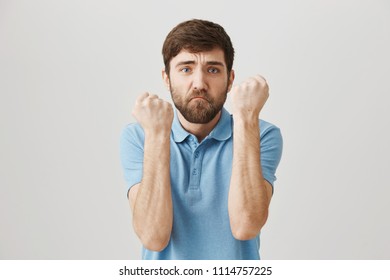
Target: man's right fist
x=154 y=114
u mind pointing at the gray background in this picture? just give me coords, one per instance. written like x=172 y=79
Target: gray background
x=71 y=70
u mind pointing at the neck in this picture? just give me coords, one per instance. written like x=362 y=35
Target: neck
x=200 y=130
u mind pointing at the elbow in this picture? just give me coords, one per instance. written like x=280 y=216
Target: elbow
x=152 y=240
x=247 y=229
x=155 y=242
x=156 y=245
x=244 y=233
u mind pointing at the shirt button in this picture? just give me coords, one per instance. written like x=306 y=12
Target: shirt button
x=194 y=172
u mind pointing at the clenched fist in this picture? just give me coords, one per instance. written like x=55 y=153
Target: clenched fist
x=249 y=97
x=154 y=114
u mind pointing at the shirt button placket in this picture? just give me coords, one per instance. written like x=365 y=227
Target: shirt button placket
x=194 y=193
x=196 y=165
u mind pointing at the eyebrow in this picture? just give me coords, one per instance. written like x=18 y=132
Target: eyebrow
x=190 y=62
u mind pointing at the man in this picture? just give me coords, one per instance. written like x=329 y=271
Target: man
x=200 y=180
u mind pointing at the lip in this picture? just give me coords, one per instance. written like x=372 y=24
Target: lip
x=198 y=97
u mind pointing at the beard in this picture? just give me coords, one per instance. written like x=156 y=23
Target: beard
x=198 y=110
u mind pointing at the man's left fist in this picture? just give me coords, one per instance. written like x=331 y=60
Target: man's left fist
x=249 y=97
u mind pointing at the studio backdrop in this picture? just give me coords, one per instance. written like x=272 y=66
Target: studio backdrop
x=70 y=72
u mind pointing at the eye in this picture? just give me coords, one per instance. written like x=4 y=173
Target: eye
x=185 y=69
x=213 y=70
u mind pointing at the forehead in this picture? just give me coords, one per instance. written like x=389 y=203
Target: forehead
x=215 y=55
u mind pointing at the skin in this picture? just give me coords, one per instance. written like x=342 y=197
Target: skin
x=200 y=81
x=151 y=200
x=199 y=84
x=249 y=193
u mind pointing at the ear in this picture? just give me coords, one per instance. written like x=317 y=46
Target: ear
x=165 y=78
x=231 y=80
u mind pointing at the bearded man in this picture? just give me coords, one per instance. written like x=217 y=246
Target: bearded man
x=199 y=179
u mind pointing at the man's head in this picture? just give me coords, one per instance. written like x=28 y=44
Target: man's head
x=197 y=36
x=198 y=57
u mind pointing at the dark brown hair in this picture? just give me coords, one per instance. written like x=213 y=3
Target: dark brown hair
x=196 y=36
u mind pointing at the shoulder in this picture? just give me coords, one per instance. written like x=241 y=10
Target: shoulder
x=267 y=127
x=270 y=132
x=133 y=132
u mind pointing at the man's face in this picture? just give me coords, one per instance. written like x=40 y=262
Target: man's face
x=199 y=84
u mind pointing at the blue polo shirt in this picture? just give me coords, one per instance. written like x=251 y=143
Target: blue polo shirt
x=200 y=178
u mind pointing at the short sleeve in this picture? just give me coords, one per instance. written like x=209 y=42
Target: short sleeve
x=271 y=146
x=132 y=154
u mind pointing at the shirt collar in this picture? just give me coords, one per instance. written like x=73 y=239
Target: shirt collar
x=221 y=132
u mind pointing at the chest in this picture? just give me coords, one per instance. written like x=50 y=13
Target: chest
x=200 y=173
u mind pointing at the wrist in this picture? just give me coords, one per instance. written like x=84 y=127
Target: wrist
x=157 y=134
x=246 y=117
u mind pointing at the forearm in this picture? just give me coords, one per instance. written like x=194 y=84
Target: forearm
x=248 y=198
x=152 y=213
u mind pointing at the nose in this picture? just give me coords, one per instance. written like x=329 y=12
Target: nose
x=199 y=82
